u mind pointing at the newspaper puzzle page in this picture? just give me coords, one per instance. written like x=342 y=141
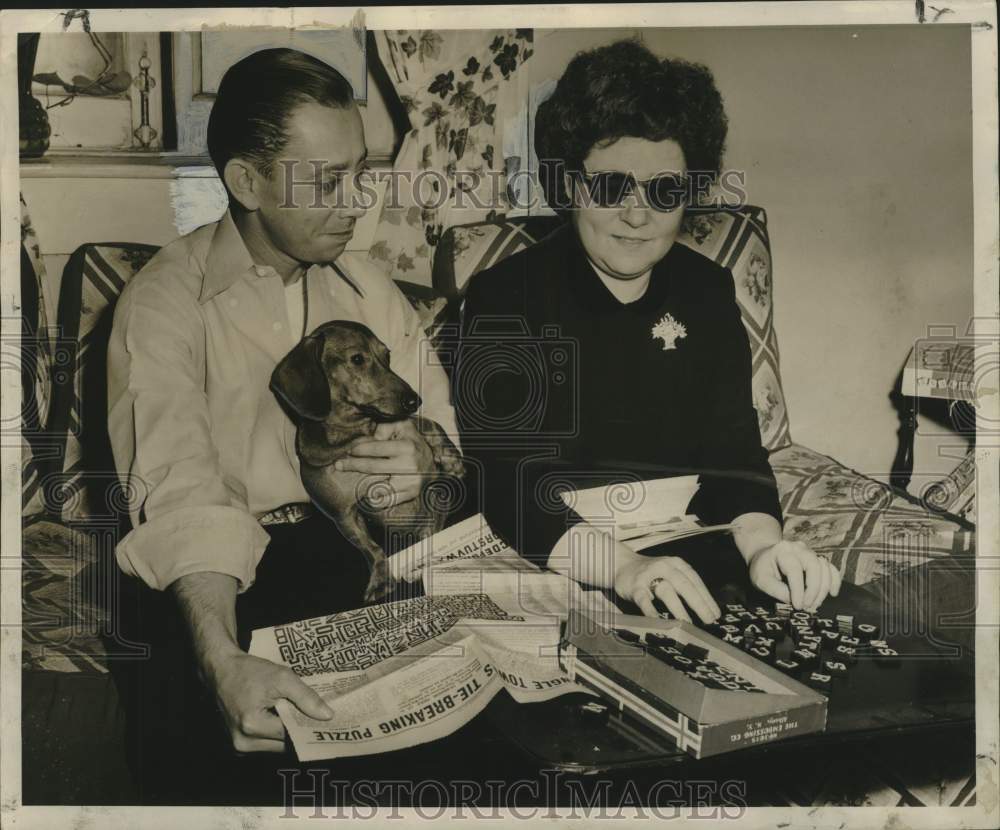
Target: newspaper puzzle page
x=381 y=667
x=420 y=701
x=470 y=540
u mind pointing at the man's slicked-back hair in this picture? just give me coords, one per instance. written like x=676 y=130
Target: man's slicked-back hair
x=256 y=97
x=620 y=90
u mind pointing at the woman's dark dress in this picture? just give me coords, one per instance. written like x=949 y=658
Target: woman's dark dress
x=557 y=384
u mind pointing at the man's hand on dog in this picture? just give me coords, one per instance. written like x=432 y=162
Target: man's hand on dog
x=247 y=689
x=397 y=454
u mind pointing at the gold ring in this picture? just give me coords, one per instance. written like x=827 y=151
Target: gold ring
x=654 y=582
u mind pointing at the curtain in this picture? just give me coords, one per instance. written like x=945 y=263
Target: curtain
x=458 y=89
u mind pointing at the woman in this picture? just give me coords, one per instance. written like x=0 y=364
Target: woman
x=655 y=376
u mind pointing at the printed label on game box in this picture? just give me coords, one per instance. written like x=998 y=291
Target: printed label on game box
x=702 y=694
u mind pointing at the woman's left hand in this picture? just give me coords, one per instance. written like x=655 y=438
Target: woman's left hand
x=791 y=572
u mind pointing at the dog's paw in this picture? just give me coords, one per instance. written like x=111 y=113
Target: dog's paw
x=380 y=584
x=447 y=458
x=450 y=463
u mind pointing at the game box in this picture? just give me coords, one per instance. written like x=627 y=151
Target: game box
x=703 y=694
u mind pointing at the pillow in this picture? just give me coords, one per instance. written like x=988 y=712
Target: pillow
x=738 y=240
x=430 y=306
x=735 y=238
x=465 y=250
x=864 y=527
x=67 y=593
x=93 y=279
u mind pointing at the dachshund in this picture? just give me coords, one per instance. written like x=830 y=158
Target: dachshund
x=337 y=386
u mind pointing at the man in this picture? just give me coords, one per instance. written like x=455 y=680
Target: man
x=218 y=502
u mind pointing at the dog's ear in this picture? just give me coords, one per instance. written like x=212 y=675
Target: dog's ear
x=299 y=381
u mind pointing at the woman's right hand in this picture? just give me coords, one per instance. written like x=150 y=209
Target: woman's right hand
x=670 y=579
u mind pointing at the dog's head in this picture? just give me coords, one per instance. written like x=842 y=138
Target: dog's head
x=342 y=366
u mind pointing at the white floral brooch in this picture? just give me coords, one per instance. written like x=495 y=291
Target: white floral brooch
x=669 y=331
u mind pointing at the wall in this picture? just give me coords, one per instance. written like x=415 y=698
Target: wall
x=857 y=141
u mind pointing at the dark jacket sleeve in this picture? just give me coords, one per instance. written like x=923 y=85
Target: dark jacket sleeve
x=736 y=476
x=512 y=468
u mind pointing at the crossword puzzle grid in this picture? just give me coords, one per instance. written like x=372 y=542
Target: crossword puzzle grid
x=359 y=639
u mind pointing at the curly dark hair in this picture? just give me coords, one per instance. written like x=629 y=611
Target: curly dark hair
x=622 y=90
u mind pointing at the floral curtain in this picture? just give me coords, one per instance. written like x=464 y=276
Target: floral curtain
x=458 y=88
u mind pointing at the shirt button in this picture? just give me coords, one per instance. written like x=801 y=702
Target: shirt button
x=276 y=326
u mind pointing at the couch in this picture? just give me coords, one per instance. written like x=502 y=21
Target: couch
x=72 y=501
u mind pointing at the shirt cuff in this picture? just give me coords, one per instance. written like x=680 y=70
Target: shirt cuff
x=194 y=540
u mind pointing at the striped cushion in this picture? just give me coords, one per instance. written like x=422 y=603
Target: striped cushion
x=92 y=281
x=465 y=250
x=34 y=356
x=736 y=239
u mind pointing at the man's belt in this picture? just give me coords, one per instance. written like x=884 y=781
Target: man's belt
x=287 y=514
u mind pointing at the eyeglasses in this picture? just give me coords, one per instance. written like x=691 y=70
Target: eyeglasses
x=663 y=193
